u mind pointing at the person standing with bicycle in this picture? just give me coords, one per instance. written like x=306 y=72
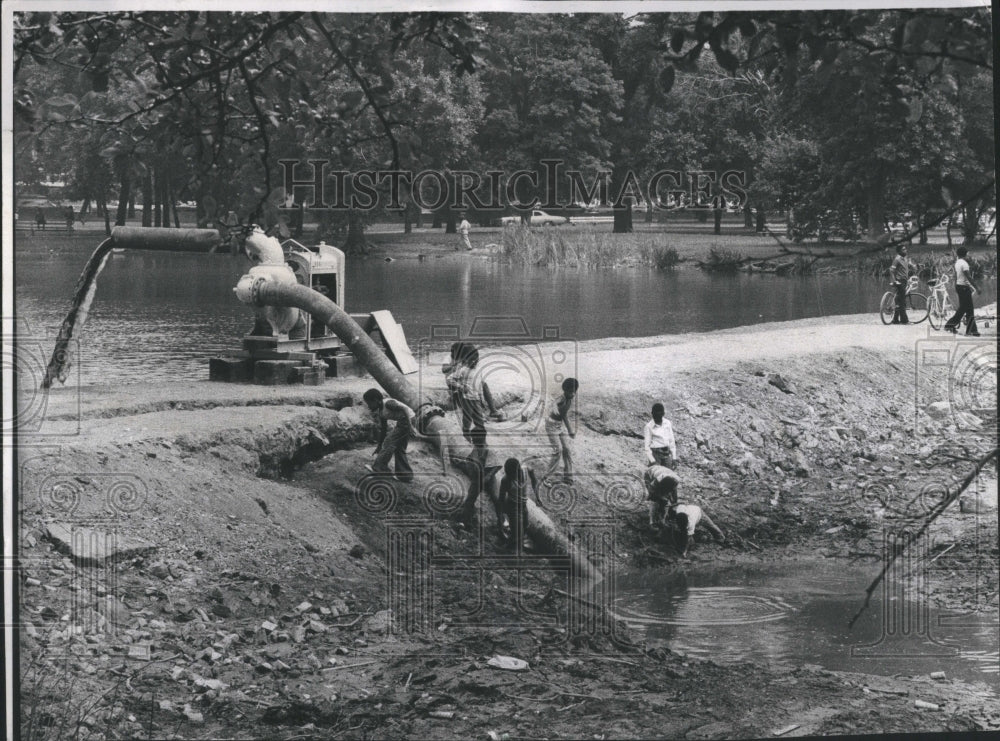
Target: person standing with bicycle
x=964 y=285
x=900 y=273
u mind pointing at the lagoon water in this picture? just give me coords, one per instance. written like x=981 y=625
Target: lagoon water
x=162 y=315
x=790 y=614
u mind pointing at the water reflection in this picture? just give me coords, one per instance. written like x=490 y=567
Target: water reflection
x=161 y=315
x=798 y=614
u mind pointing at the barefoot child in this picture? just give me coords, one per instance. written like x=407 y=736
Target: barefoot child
x=391 y=445
x=516 y=485
x=687 y=517
x=559 y=430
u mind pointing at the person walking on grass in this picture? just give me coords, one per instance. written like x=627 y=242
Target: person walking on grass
x=391 y=444
x=964 y=286
x=687 y=517
x=658 y=439
x=900 y=273
x=559 y=430
x=463 y=229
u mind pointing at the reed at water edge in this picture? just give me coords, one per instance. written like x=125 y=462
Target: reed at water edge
x=548 y=247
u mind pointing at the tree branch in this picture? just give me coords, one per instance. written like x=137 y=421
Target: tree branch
x=936 y=512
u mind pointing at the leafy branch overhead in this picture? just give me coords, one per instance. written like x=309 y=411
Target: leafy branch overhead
x=830 y=113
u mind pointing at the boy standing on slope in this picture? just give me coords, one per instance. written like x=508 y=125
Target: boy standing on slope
x=658 y=439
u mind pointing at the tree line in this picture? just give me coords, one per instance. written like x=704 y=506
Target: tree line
x=840 y=119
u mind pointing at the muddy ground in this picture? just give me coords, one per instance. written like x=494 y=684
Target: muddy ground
x=228 y=580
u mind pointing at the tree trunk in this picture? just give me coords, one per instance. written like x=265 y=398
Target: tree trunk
x=173 y=208
x=717 y=227
x=356 y=243
x=85 y=208
x=649 y=212
x=438 y=220
x=876 y=211
x=759 y=226
x=131 y=205
x=970 y=224
x=451 y=222
x=622 y=219
x=408 y=218
x=300 y=220
x=123 y=197
x=147 y=198
x=747 y=217
x=158 y=199
x=107 y=216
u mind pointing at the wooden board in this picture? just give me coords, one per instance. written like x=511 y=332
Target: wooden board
x=395 y=342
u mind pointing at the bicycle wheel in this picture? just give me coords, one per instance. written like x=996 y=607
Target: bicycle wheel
x=887 y=308
x=917 y=303
x=941 y=311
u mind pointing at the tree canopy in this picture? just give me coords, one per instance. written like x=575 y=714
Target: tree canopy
x=839 y=118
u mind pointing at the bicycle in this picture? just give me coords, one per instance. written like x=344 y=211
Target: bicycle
x=941 y=308
x=916 y=305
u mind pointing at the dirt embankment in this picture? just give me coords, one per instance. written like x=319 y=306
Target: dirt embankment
x=208 y=594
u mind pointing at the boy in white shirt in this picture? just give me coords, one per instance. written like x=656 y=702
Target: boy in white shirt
x=687 y=517
x=964 y=286
x=658 y=440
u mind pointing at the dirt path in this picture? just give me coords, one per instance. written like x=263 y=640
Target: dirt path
x=249 y=593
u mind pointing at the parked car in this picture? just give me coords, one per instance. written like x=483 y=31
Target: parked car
x=538 y=218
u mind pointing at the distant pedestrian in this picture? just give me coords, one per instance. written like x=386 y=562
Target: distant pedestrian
x=661 y=492
x=69 y=217
x=900 y=272
x=559 y=430
x=40 y=219
x=964 y=286
x=687 y=517
x=391 y=444
x=658 y=439
x=463 y=229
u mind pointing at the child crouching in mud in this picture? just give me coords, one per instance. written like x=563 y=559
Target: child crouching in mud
x=664 y=510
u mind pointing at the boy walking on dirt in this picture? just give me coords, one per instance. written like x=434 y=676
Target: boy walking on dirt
x=557 y=427
x=391 y=444
x=658 y=439
x=900 y=272
x=964 y=286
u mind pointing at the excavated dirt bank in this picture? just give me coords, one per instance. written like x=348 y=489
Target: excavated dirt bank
x=235 y=583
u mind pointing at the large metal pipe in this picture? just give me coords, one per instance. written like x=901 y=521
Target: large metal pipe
x=171 y=240
x=264 y=292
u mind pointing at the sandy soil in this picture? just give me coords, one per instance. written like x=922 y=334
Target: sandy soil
x=248 y=595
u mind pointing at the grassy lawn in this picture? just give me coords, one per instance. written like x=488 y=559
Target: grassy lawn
x=691 y=240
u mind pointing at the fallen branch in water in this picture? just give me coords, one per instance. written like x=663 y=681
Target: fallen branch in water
x=935 y=512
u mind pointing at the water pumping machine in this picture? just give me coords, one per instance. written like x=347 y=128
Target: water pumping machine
x=301 y=333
